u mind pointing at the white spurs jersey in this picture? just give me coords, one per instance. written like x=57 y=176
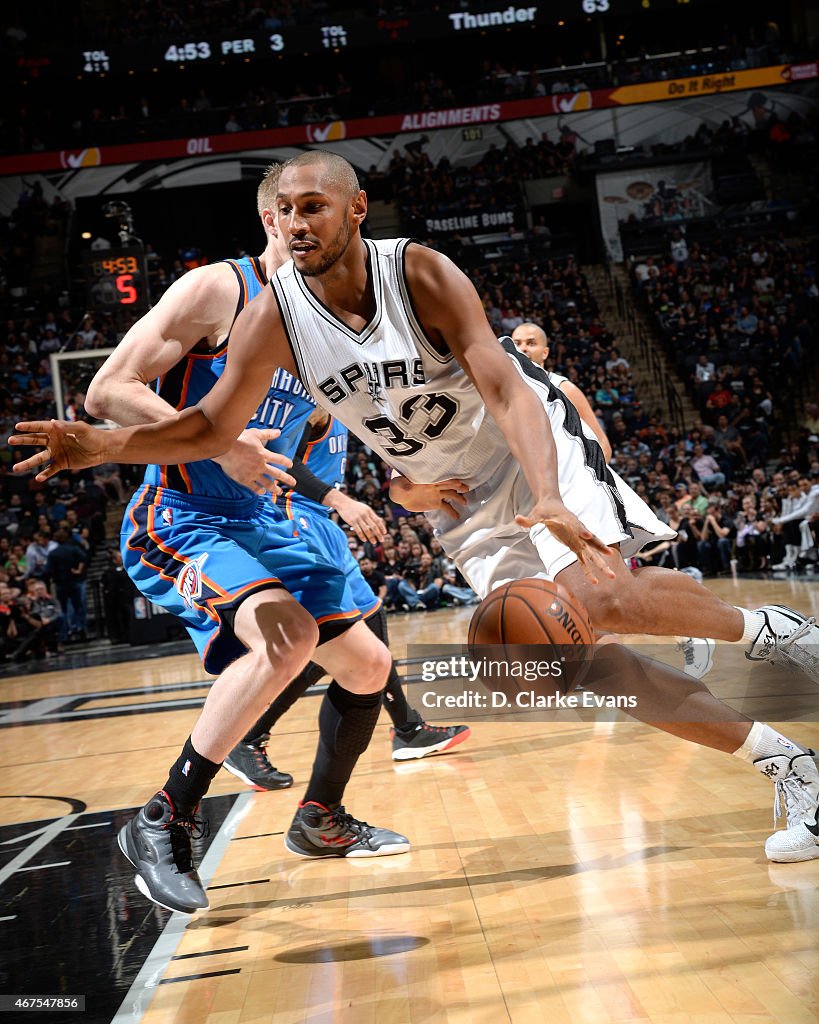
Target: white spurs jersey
x=387 y=384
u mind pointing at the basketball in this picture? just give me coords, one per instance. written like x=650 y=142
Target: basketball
x=535 y=613
x=530 y=611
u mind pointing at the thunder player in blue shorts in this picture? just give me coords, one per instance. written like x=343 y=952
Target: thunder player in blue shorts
x=319 y=463
x=256 y=597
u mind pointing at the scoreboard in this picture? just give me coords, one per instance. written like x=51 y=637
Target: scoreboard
x=344 y=31
x=116 y=280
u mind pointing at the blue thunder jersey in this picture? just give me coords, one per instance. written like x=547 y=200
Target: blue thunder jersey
x=286 y=406
x=197 y=543
x=326 y=458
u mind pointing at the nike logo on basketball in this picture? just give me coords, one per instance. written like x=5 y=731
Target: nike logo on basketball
x=814 y=826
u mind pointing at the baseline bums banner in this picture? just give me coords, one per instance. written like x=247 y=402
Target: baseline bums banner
x=669 y=195
x=498 y=218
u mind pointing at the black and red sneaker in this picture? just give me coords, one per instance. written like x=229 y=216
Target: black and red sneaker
x=158 y=843
x=320 y=832
x=421 y=740
x=250 y=763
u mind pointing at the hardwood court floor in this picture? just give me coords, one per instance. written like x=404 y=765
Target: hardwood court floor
x=568 y=871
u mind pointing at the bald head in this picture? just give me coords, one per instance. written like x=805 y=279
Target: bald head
x=532 y=341
x=336 y=172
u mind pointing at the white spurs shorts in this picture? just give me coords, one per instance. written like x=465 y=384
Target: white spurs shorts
x=490 y=548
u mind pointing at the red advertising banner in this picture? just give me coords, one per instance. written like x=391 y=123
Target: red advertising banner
x=396 y=124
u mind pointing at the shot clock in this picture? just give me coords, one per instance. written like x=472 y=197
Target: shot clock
x=116 y=280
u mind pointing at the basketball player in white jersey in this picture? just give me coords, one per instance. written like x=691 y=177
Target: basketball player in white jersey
x=391 y=338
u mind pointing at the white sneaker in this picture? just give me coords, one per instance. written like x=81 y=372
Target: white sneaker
x=798 y=791
x=699 y=655
x=786 y=637
x=785 y=566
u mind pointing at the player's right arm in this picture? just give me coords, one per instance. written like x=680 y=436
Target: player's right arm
x=258 y=347
x=200 y=305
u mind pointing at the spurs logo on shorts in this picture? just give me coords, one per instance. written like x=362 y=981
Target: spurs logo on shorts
x=189 y=581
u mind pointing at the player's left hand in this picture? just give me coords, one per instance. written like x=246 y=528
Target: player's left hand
x=66 y=446
x=251 y=464
x=566 y=527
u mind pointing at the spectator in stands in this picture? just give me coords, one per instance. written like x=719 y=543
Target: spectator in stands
x=805 y=512
x=714 y=539
x=9 y=613
x=374 y=577
x=118 y=592
x=707 y=468
x=426 y=586
x=66 y=567
x=753 y=543
x=41 y=617
x=617 y=366
x=679 y=248
x=704 y=370
x=607 y=397
x=727 y=439
x=233 y=124
x=37 y=552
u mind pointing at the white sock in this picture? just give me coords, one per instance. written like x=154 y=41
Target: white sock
x=752 y=624
x=763 y=742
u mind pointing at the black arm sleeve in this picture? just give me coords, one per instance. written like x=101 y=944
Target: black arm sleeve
x=307 y=483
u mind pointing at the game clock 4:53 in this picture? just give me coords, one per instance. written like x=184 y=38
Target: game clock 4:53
x=116 y=279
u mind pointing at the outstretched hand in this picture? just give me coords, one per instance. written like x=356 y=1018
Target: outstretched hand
x=66 y=446
x=566 y=527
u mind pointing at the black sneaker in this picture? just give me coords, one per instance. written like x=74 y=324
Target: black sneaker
x=319 y=832
x=249 y=762
x=158 y=843
x=421 y=740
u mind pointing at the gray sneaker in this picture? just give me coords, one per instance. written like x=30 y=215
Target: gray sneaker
x=158 y=843
x=319 y=832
